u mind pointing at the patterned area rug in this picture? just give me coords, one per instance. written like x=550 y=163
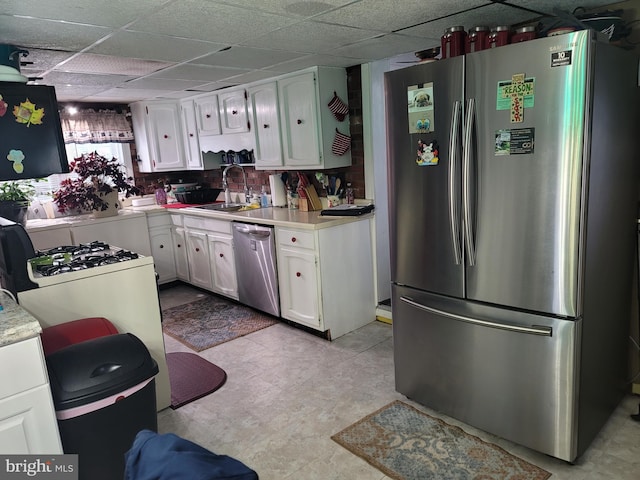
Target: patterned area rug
x=407 y=444
x=211 y=321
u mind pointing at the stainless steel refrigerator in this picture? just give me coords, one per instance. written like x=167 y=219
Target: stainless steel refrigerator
x=513 y=192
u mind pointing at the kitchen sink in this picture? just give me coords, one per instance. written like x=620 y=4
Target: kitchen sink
x=223 y=207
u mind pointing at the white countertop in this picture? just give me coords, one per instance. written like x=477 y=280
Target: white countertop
x=276 y=216
x=16 y=324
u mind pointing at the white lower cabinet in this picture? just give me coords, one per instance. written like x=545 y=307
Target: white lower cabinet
x=180 y=253
x=223 y=266
x=299 y=294
x=28 y=422
x=198 y=258
x=210 y=255
x=162 y=246
x=326 y=277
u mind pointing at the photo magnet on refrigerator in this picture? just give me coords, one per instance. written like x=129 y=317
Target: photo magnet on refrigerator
x=427 y=153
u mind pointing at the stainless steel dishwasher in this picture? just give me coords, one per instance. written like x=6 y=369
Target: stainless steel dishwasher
x=254 y=249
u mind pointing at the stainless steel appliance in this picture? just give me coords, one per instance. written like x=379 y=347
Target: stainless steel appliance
x=513 y=186
x=254 y=248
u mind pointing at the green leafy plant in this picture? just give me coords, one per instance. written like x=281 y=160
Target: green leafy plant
x=16 y=191
x=96 y=177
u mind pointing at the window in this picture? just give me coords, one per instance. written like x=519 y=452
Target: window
x=121 y=151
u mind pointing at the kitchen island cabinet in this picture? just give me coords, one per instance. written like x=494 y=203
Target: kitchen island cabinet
x=28 y=422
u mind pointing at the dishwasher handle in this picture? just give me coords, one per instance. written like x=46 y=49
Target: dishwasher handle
x=253 y=230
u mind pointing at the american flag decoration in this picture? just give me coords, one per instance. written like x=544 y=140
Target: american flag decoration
x=338 y=108
x=341 y=143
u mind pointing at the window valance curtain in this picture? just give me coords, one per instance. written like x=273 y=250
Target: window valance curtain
x=91 y=126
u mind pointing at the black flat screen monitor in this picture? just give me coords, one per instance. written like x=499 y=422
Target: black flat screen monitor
x=31 y=142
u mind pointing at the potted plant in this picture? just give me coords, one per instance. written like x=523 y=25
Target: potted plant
x=96 y=187
x=14 y=200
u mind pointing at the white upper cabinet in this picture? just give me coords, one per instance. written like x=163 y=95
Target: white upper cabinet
x=191 y=143
x=233 y=111
x=207 y=115
x=263 y=105
x=158 y=131
x=308 y=127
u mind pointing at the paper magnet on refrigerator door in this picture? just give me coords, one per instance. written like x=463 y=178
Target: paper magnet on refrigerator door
x=27 y=113
x=427 y=153
x=3 y=107
x=16 y=156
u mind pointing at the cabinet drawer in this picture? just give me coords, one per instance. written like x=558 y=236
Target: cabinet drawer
x=296 y=238
x=209 y=224
x=21 y=367
x=158 y=220
x=177 y=219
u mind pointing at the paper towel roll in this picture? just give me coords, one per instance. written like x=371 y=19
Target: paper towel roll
x=278 y=193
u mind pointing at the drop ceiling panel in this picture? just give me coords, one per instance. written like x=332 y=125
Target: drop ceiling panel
x=312 y=37
x=292 y=8
x=199 y=73
x=112 y=13
x=247 y=57
x=161 y=84
x=386 y=15
x=547 y=6
x=95 y=64
x=209 y=21
x=312 y=60
x=490 y=15
x=154 y=46
x=386 y=46
x=47 y=34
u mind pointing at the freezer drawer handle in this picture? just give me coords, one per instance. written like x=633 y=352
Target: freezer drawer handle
x=533 y=330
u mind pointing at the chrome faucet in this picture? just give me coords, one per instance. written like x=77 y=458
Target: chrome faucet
x=225 y=185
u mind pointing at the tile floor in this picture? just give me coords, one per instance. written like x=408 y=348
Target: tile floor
x=288 y=391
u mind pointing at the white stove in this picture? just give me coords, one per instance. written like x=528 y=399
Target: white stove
x=74 y=262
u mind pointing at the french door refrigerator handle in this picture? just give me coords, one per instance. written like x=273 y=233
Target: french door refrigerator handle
x=454 y=150
x=533 y=330
x=466 y=182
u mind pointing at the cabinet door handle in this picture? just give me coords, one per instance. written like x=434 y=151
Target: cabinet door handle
x=161 y=246
x=166 y=136
x=266 y=125
x=208 y=115
x=221 y=255
x=293 y=239
x=197 y=249
x=179 y=245
x=191 y=134
x=299 y=122
x=234 y=112
x=298 y=274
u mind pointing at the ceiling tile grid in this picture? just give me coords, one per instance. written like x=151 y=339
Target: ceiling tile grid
x=126 y=50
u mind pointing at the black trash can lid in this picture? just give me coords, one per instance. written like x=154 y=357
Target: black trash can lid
x=98 y=368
